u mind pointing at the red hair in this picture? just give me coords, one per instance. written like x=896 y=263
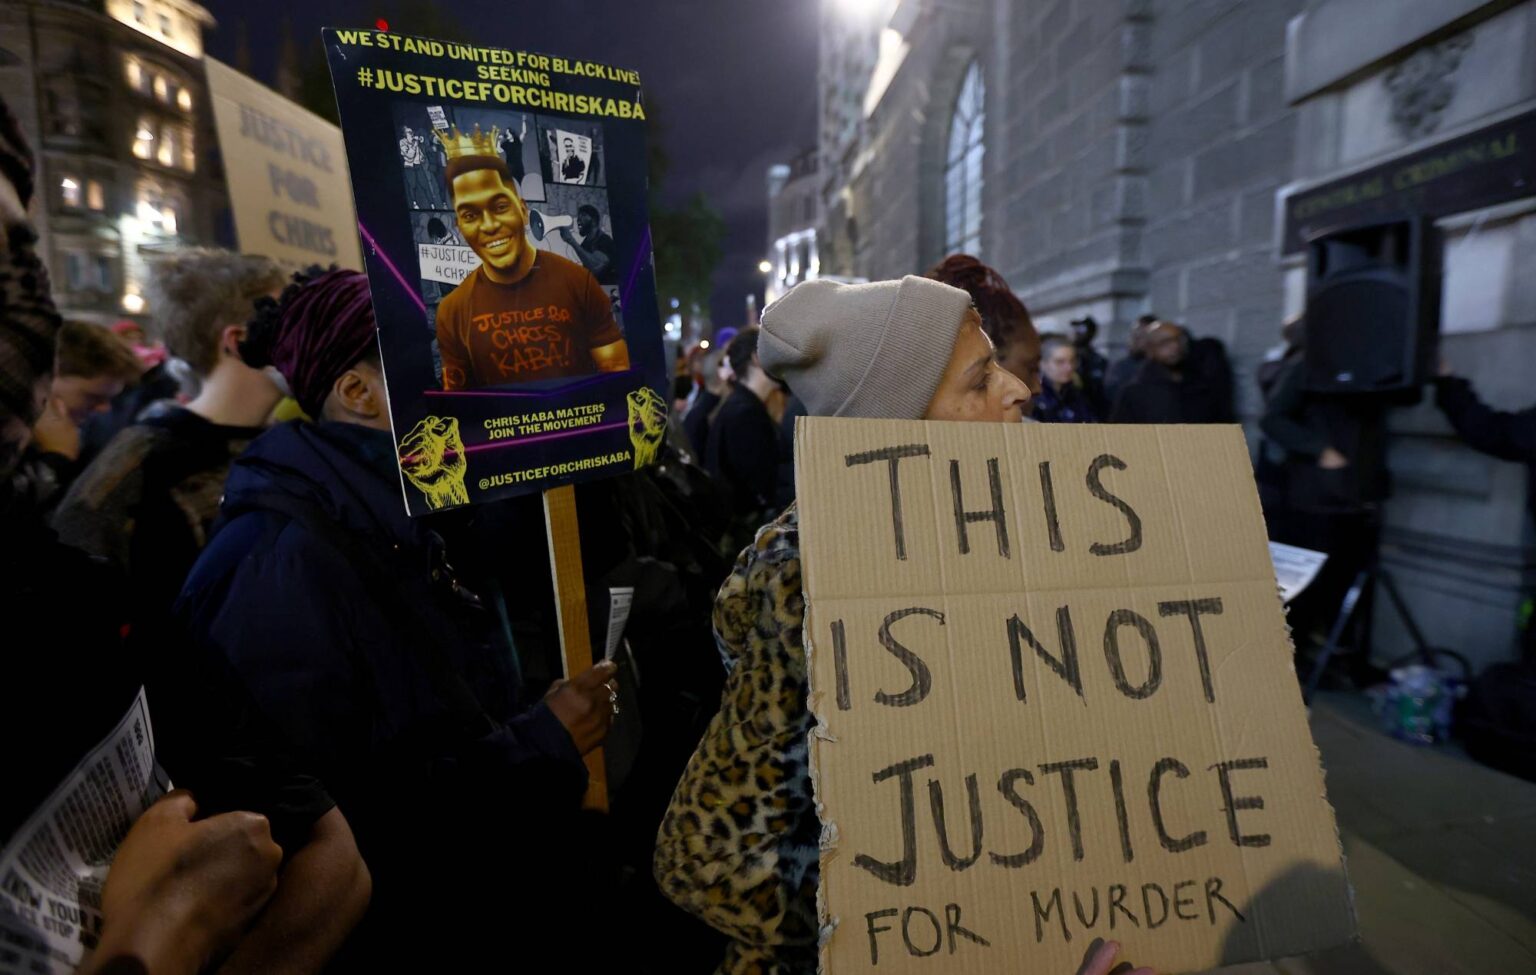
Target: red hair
x=1003 y=316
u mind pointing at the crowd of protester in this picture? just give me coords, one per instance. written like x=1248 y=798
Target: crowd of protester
x=379 y=763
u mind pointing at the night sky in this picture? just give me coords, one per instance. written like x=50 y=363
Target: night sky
x=735 y=82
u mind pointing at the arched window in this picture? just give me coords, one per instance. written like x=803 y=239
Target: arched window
x=962 y=167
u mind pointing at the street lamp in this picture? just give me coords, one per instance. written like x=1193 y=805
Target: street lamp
x=765 y=267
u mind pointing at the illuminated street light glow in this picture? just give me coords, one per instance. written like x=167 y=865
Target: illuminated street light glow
x=133 y=303
x=765 y=267
x=860 y=8
x=704 y=343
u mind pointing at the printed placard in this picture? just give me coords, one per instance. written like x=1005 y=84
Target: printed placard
x=501 y=202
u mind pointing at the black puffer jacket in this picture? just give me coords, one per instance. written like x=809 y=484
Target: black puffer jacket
x=392 y=691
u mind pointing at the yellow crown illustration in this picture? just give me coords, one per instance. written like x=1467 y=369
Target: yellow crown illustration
x=457 y=143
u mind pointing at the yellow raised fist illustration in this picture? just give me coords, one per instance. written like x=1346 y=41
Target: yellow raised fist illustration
x=432 y=457
x=647 y=424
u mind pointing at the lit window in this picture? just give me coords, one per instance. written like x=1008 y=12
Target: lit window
x=184 y=100
x=144 y=139
x=70 y=190
x=155 y=215
x=188 y=156
x=95 y=195
x=167 y=154
x=160 y=88
x=135 y=73
x=962 y=167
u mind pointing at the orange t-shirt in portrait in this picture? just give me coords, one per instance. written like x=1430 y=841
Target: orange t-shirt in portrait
x=543 y=327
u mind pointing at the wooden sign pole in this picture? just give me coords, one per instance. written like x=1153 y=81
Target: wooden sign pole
x=564 y=537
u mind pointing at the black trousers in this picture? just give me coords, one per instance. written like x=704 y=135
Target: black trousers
x=1351 y=540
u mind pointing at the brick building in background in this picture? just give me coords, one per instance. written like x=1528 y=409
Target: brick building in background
x=112 y=96
x=1114 y=157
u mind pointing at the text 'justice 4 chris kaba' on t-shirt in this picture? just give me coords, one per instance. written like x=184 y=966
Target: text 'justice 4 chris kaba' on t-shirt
x=543 y=327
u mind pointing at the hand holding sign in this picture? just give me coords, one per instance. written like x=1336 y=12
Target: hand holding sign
x=1101 y=961
x=584 y=705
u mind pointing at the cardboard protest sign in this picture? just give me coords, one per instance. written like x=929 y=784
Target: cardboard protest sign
x=1055 y=702
x=287 y=173
x=518 y=321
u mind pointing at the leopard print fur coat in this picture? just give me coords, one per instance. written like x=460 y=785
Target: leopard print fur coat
x=738 y=845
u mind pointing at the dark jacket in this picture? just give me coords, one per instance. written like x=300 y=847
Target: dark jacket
x=37 y=484
x=1202 y=392
x=1304 y=423
x=696 y=421
x=1120 y=373
x=392 y=692
x=1507 y=436
x=148 y=502
x=65 y=658
x=793 y=410
x=1209 y=371
x=1092 y=372
x=1069 y=404
x=743 y=454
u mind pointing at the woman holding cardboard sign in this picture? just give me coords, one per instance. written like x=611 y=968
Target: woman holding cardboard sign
x=739 y=844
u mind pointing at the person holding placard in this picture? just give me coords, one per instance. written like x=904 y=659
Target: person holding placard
x=739 y=843
x=393 y=687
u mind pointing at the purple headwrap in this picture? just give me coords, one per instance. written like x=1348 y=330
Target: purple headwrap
x=320 y=327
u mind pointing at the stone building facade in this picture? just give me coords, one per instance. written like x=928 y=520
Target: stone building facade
x=1137 y=156
x=794 y=214
x=1427 y=94
x=112 y=95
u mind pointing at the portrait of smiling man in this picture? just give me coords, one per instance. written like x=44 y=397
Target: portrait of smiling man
x=524 y=314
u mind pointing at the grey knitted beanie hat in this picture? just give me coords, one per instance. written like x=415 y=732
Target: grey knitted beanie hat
x=874 y=350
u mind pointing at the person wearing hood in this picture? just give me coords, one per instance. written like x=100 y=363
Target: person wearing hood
x=739 y=844
x=392 y=691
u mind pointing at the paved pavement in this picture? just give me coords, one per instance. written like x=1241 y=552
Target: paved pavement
x=1441 y=854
